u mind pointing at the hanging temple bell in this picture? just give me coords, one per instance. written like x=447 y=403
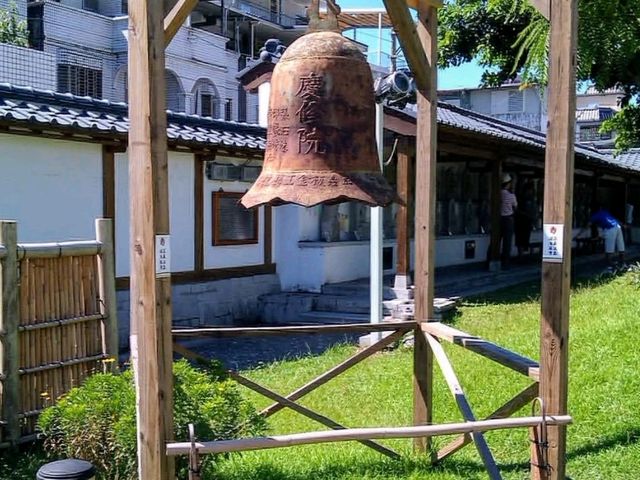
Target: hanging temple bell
x=321 y=145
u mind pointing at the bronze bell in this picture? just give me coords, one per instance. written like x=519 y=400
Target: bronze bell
x=321 y=145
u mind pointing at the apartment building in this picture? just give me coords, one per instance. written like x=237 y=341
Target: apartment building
x=80 y=47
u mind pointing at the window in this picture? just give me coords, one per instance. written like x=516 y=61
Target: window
x=125 y=7
x=232 y=224
x=592 y=133
x=91 y=5
x=79 y=80
x=228 y=110
x=516 y=101
x=206 y=99
x=206 y=105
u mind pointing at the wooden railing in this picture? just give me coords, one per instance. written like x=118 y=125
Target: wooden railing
x=58 y=322
x=470 y=431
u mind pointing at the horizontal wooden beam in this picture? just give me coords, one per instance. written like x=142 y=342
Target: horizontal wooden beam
x=308 y=438
x=289 y=330
x=176 y=17
x=498 y=354
x=60 y=249
x=122 y=283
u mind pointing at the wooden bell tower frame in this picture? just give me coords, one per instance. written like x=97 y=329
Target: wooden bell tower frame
x=152 y=25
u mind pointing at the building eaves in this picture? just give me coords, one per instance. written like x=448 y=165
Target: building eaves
x=629 y=159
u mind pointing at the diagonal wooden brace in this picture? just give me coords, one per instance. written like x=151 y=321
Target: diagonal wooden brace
x=185 y=352
x=506 y=410
x=463 y=405
x=307 y=412
x=334 y=372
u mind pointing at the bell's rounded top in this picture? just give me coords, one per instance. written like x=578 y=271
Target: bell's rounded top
x=323 y=44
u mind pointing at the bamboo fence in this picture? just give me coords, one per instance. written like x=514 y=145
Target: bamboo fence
x=58 y=319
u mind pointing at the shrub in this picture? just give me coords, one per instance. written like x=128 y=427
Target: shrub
x=97 y=421
x=12 y=30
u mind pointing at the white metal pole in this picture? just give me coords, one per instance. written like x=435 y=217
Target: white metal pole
x=376 y=279
x=376 y=270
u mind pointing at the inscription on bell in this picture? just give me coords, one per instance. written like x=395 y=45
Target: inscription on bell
x=303 y=180
x=310 y=90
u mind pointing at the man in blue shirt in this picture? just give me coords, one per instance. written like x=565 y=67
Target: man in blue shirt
x=611 y=232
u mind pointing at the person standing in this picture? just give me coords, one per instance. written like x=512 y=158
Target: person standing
x=611 y=232
x=508 y=206
x=525 y=217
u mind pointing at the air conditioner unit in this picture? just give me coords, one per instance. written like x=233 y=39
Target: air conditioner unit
x=229 y=173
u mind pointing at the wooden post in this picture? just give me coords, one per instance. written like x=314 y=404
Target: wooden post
x=107 y=290
x=9 y=321
x=558 y=208
x=403 y=243
x=198 y=217
x=150 y=289
x=494 y=246
x=426 y=156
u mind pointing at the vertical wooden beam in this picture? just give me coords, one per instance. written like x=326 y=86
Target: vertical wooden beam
x=150 y=293
x=108 y=182
x=494 y=246
x=107 y=290
x=268 y=235
x=558 y=208
x=426 y=155
x=9 y=321
x=403 y=245
x=198 y=217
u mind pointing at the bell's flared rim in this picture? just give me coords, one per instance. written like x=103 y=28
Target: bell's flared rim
x=313 y=188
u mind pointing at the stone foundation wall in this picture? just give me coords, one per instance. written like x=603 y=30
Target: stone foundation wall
x=214 y=303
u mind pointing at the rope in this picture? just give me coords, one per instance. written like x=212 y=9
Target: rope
x=541 y=443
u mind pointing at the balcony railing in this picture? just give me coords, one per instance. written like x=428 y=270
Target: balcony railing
x=264 y=13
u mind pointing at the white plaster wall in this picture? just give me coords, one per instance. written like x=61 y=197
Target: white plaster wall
x=223 y=256
x=53 y=188
x=181 y=212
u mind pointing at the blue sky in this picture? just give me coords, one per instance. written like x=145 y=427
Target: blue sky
x=467 y=75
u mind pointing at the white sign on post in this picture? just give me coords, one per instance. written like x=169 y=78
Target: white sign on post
x=553 y=238
x=163 y=256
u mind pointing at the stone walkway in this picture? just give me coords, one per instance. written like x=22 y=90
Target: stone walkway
x=251 y=352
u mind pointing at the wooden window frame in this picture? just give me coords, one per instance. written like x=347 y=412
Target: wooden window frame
x=216 y=241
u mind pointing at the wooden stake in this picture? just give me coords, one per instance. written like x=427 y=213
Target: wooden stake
x=558 y=208
x=150 y=296
x=107 y=289
x=9 y=320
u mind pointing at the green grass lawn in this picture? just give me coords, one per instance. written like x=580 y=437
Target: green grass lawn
x=603 y=443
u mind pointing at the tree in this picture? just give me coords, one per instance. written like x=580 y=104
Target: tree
x=12 y=30
x=509 y=38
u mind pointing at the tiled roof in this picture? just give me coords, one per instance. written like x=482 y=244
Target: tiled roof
x=629 y=159
x=23 y=105
x=463 y=119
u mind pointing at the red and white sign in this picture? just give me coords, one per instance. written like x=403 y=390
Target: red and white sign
x=163 y=256
x=552 y=242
